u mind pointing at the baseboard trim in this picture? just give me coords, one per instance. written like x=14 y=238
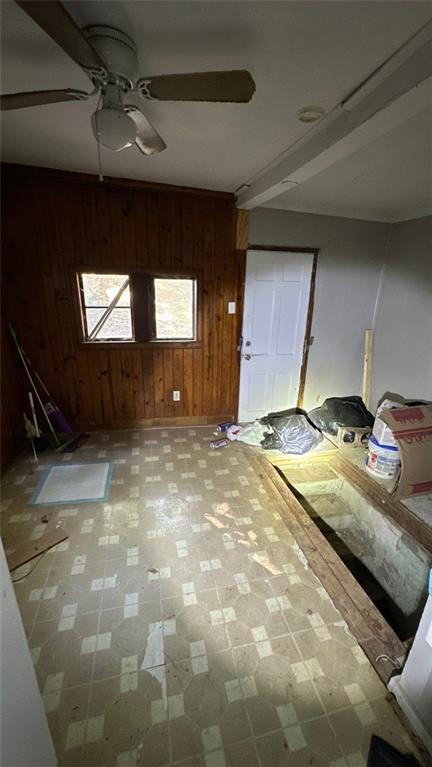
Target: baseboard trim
x=153 y=423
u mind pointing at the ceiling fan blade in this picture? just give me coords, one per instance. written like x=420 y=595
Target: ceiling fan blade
x=54 y=19
x=234 y=86
x=148 y=140
x=38 y=98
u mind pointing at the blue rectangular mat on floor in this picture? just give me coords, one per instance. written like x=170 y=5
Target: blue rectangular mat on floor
x=73 y=483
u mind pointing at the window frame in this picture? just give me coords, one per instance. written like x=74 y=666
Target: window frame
x=143 y=316
x=84 y=308
x=152 y=306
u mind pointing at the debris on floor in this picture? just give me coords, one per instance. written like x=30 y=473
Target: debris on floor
x=223 y=427
x=291 y=432
x=253 y=433
x=217 y=443
x=30 y=549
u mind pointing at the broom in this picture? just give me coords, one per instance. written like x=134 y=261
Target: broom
x=50 y=408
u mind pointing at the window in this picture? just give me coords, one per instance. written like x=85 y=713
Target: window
x=138 y=306
x=107 y=307
x=174 y=302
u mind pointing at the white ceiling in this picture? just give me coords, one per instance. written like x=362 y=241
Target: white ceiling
x=388 y=180
x=299 y=53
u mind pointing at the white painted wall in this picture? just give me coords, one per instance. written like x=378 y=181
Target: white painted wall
x=402 y=358
x=413 y=688
x=25 y=738
x=349 y=267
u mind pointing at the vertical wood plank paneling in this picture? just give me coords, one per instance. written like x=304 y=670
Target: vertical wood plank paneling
x=56 y=222
x=198 y=373
x=106 y=392
x=167 y=356
x=148 y=382
x=158 y=378
x=208 y=309
x=188 y=382
x=178 y=380
x=127 y=384
x=138 y=385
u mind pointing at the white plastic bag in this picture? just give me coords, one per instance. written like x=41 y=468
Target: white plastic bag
x=253 y=433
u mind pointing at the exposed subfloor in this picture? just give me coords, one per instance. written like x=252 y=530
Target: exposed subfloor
x=179 y=623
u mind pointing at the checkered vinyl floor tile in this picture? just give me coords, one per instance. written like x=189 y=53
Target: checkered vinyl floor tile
x=179 y=625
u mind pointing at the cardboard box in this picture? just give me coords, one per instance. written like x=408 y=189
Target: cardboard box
x=412 y=429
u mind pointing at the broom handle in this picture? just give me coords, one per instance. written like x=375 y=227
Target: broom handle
x=37 y=393
x=62 y=422
x=33 y=412
x=29 y=364
x=35 y=373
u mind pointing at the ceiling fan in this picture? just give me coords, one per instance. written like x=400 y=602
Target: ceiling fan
x=109 y=58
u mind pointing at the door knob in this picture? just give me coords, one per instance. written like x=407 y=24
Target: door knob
x=246 y=356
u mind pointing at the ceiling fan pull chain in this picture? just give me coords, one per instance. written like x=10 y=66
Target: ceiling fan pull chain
x=101 y=178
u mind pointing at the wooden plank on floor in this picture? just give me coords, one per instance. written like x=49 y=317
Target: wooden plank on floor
x=31 y=549
x=359 y=612
x=314 y=556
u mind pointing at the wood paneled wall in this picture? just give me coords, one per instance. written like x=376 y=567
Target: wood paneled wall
x=55 y=221
x=13 y=399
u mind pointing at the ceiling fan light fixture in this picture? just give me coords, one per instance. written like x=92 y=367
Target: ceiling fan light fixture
x=113 y=128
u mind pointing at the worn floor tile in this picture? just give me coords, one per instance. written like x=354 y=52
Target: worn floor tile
x=179 y=623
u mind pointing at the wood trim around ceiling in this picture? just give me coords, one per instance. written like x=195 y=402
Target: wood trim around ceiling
x=109 y=181
x=279 y=248
x=242 y=229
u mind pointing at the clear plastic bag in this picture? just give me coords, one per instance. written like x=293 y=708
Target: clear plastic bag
x=253 y=433
x=291 y=432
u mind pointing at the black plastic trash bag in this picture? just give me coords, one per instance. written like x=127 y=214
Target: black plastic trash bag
x=382 y=754
x=291 y=432
x=341 y=411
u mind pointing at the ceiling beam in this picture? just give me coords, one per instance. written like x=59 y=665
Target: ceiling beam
x=396 y=91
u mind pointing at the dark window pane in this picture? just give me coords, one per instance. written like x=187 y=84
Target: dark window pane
x=118 y=325
x=100 y=289
x=174 y=308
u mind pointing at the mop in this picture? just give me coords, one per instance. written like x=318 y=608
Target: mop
x=38 y=441
x=50 y=408
x=30 y=434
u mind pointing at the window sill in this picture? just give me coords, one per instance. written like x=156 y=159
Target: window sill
x=105 y=345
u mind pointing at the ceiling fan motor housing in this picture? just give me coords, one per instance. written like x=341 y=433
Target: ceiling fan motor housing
x=119 y=54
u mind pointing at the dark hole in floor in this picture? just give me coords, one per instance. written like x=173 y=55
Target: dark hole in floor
x=405 y=626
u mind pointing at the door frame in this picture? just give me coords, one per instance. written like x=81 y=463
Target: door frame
x=308 y=330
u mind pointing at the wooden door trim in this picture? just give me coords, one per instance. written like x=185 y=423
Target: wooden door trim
x=308 y=330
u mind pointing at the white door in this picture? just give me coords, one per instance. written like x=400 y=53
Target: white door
x=274 y=325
